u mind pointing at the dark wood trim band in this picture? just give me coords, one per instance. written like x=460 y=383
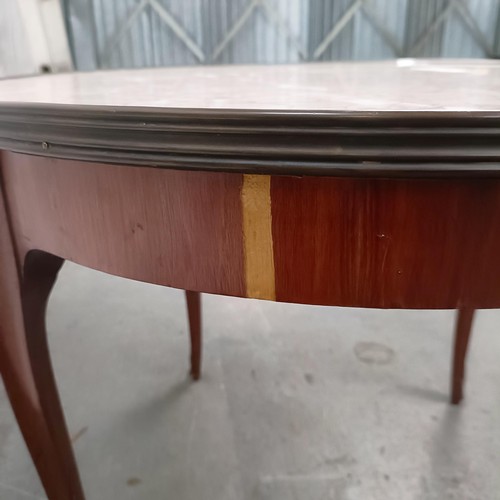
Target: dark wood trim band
x=378 y=144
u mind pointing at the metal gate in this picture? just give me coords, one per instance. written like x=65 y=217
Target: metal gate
x=137 y=33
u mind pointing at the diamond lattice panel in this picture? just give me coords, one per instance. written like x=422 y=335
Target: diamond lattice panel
x=136 y=33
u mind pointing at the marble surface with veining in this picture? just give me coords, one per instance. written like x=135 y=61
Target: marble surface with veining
x=399 y=85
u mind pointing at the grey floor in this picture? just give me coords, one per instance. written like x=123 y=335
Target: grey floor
x=296 y=402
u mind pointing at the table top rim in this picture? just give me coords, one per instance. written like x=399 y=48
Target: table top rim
x=380 y=144
x=264 y=113
x=416 y=143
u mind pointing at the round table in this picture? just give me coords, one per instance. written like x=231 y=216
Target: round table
x=367 y=185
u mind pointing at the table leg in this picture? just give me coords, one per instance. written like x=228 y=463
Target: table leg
x=193 y=300
x=39 y=275
x=26 y=369
x=462 y=334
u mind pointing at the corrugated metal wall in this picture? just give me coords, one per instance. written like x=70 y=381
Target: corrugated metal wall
x=136 y=33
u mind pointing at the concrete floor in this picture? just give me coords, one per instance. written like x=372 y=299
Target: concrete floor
x=296 y=402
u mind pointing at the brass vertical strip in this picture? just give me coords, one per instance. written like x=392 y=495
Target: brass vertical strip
x=257 y=237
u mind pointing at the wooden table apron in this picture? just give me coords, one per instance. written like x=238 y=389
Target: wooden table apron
x=364 y=242
x=309 y=187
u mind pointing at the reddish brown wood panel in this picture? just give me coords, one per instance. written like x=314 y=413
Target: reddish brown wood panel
x=182 y=229
x=414 y=243
x=410 y=243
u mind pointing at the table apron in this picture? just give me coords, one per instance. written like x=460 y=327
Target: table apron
x=366 y=242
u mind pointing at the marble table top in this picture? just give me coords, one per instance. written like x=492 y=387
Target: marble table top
x=400 y=85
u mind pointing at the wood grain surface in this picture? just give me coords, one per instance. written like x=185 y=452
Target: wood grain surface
x=390 y=243
x=181 y=229
x=257 y=236
x=193 y=302
x=414 y=243
x=463 y=330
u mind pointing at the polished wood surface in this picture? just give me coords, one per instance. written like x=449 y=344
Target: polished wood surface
x=397 y=243
x=193 y=301
x=166 y=227
x=463 y=329
x=314 y=184
x=406 y=243
x=39 y=275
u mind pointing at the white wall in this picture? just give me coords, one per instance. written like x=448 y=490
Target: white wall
x=32 y=38
x=15 y=53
